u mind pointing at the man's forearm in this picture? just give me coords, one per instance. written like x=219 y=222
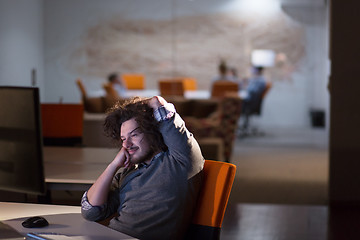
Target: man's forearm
x=98 y=193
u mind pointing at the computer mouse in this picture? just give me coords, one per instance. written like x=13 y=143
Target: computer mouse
x=35 y=222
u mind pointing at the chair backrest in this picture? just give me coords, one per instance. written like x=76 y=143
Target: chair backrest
x=268 y=85
x=258 y=104
x=134 y=80
x=110 y=91
x=111 y=97
x=171 y=87
x=189 y=84
x=62 y=124
x=212 y=201
x=91 y=104
x=81 y=86
x=223 y=88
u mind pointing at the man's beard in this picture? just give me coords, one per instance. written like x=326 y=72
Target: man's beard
x=147 y=156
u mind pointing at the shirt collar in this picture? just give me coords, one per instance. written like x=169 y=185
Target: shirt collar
x=143 y=164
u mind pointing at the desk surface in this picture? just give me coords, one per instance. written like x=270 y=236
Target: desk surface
x=65 y=220
x=190 y=94
x=10 y=210
x=242 y=222
x=76 y=165
x=199 y=94
x=79 y=155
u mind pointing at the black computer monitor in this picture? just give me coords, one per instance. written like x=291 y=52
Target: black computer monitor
x=21 y=156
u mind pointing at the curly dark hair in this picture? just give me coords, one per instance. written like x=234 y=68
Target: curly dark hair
x=139 y=109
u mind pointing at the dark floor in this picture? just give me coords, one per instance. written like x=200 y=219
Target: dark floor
x=291 y=222
x=284 y=166
x=275 y=222
x=280 y=189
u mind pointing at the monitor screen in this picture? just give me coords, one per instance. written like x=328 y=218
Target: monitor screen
x=21 y=159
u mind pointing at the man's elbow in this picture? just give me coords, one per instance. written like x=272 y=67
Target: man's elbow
x=91 y=214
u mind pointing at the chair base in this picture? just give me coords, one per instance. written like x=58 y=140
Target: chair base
x=197 y=232
x=249 y=132
x=247 y=129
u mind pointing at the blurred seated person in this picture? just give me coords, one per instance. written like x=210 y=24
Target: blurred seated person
x=117 y=83
x=223 y=73
x=254 y=90
x=256 y=84
x=227 y=74
x=232 y=75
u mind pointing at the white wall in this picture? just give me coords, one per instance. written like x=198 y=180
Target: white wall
x=21 y=43
x=66 y=22
x=289 y=104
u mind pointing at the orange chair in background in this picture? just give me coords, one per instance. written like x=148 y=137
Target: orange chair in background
x=62 y=124
x=110 y=91
x=111 y=96
x=267 y=88
x=171 y=87
x=190 y=84
x=222 y=88
x=91 y=104
x=134 y=80
x=81 y=86
x=213 y=198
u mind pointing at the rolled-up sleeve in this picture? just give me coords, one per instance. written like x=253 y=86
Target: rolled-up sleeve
x=89 y=212
x=164 y=112
x=97 y=213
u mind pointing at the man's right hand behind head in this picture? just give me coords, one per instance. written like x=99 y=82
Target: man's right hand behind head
x=156 y=102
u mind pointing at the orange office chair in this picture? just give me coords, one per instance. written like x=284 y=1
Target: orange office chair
x=267 y=88
x=212 y=201
x=91 y=104
x=189 y=84
x=62 y=124
x=81 y=86
x=171 y=87
x=134 y=80
x=110 y=91
x=224 y=88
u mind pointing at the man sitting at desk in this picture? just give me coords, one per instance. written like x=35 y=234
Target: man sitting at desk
x=155 y=194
